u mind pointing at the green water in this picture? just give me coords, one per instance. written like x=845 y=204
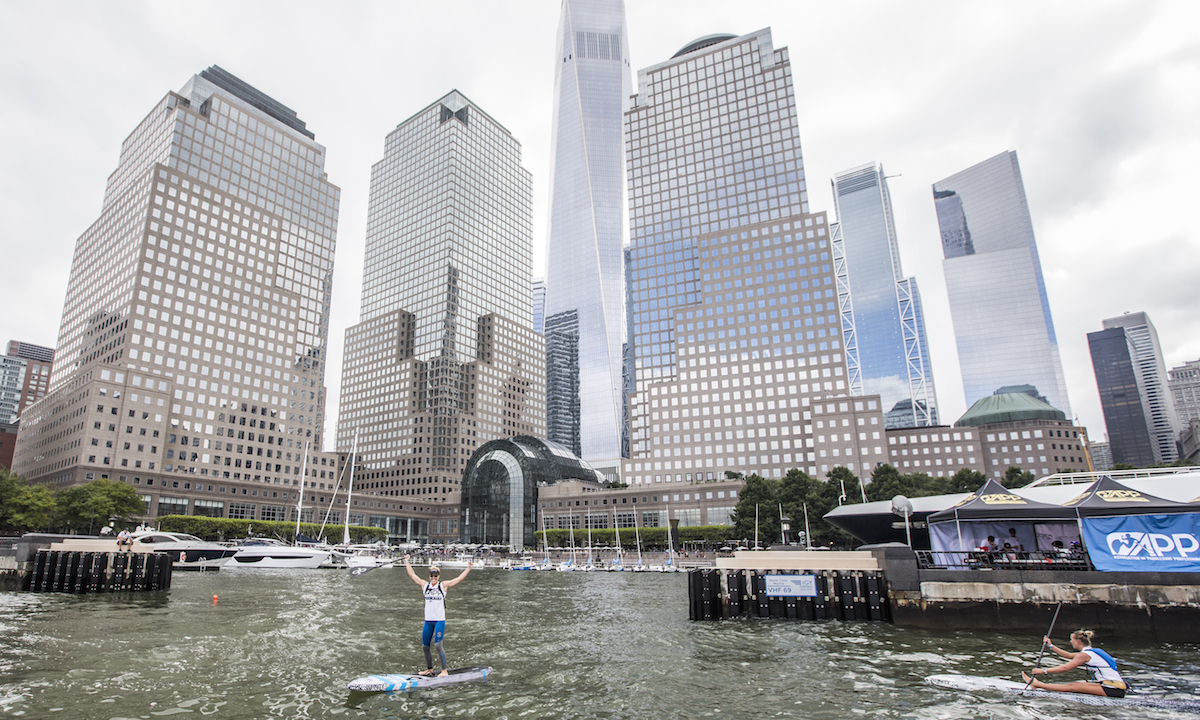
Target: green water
x=283 y=644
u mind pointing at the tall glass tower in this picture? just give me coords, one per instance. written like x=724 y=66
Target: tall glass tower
x=585 y=288
x=998 y=300
x=886 y=351
x=444 y=357
x=736 y=333
x=1139 y=409
x=197 y=309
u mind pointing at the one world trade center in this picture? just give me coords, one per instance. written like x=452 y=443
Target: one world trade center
x=585 y=293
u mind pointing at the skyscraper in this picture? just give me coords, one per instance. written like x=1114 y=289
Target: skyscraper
x=886 y=350
x=735 y=328
x=586 y=276
x=998 y=300
x=539 y=305
x=1139 y=411
x=40 y=363
x=444 y=357
x=1184 y=382
x=197 y=310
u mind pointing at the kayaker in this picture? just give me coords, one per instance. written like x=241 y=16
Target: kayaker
x=435 y=612
x=1106 y=680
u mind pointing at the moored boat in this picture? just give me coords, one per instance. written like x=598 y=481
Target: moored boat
x=187 y=552
x=271 y=553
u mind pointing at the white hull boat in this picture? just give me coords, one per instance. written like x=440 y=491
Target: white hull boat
x=187 y=552
x=267 y=553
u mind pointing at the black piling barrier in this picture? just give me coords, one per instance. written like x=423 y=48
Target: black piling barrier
x=137 y=571
x=848 y=595
x=80 y=572
x=876 y=608
x=83 y=572
x=37 y=578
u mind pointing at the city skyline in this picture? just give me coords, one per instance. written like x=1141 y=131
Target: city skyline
x=1070 y=137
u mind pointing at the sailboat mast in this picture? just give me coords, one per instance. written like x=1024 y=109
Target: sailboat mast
x=350 y=489
x=638 y=535
x=300 y=502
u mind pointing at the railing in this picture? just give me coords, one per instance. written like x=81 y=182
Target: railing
x=1080 y=478
x=1003 y=560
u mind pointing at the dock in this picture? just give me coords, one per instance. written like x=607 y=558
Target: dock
x=892 y=583
x=70 y=564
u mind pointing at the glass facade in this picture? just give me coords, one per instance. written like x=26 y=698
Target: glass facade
x=585 y=238
x=881 y=309
x=197 y=306
x=1156 y=401
x=500 y=489
x=998 y=300
x=1122 y=397
x=444 y=357
x=539 y=305
x=735 y=325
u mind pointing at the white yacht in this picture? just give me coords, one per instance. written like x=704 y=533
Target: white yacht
x=187 y=552
x=271 y=553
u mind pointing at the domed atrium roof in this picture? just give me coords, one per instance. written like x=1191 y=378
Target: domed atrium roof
x=702 y=43
x=1008 y=407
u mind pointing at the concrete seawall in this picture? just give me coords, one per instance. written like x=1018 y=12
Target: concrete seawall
x=1156 y=606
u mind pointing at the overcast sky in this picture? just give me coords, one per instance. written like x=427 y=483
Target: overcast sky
x=1099 y=99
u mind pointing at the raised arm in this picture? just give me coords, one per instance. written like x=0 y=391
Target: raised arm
x=413 y=574
x=460 y=578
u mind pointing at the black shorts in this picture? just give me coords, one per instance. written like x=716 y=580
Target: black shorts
x=1113 y=692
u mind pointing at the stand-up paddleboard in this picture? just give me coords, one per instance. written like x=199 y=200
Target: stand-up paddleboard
x=970 y=683
x=401 y=682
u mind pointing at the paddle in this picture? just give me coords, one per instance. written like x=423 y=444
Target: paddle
x=1044 y=641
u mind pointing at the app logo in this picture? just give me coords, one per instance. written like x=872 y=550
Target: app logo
x=1152 y=545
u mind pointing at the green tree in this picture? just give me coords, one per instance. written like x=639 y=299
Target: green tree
x=1014 y=477
x=23 y=506
x=966 y=480
x=93 y=503
x=764 y=494
x=799 y=492
x=848 y=486
x=887 y=483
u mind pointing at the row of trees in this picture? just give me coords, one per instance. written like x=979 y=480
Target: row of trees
x=26 y=507
x=797 y=492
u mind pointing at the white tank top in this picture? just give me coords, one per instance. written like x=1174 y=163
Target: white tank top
x=1099 y=668
x=435 y=601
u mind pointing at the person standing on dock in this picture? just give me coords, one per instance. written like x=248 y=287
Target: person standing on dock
x=1106 y=680
x=435 y=612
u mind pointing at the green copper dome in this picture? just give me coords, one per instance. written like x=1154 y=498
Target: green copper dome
x=1008 y=407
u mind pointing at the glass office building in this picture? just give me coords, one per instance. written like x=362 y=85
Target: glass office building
x=586 y=233
x=886 y=351
x=500 y=489
x=735 y=327
x=444 y=357
x=193 y=336
x=998 y=300
x=1139 y=409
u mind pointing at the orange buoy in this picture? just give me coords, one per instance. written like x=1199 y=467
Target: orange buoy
x=214 y=600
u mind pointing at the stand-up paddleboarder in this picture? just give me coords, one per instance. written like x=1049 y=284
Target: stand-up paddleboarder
x=435 y=612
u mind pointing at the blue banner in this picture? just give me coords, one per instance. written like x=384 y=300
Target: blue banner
x=1144 y=543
